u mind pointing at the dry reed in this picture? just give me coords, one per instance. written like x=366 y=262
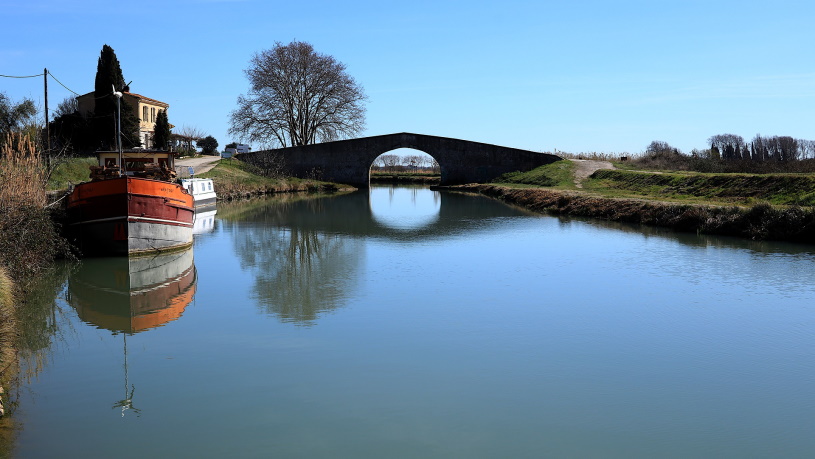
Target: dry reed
x=29 y=239
x=21 y=173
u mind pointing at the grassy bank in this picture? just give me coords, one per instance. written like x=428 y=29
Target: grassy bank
x=235 y=179
x=559 y=174
x=759 y=222
x=740 y=189
x=70 y=172
x=753 y=206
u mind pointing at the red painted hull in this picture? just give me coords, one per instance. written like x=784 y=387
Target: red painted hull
x=130 y=216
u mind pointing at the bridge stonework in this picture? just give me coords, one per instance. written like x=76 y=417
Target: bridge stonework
x=349 y=161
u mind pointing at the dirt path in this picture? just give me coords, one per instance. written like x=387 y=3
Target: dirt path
x=586 y=167
x=199 y=165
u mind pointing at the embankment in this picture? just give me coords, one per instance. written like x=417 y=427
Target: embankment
x=230 y=192
x=759 y=222
x=236 y=180
x=406 y=179
x=780 y=189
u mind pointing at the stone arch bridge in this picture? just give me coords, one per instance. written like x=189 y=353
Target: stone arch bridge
x=349 y=161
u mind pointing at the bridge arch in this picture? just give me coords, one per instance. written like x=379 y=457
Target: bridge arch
x=349 y=161
x=397 y=161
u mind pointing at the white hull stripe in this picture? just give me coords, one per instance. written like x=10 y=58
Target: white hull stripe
x=133 y=219
x=158 y=220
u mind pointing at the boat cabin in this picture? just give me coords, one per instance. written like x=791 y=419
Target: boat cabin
x=137 y=163
x=136 y=160
x=202 y=191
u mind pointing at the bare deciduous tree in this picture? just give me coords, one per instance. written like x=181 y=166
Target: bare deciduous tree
x=659 y=146
x=191 y=132
x=389 y=161
x=298 y=97
x=807 y=148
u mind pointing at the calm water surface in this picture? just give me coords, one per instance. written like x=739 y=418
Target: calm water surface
x=403 y=322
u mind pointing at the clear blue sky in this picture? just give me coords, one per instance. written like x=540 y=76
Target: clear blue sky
x=575 y=75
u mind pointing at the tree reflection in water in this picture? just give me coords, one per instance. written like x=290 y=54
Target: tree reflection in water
x=300 y=272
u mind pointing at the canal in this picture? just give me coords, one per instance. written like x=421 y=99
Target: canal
x=404 y=322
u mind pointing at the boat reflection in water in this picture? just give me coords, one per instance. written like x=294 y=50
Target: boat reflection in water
x=204 y=221
x=130 y=295
x=133 y=294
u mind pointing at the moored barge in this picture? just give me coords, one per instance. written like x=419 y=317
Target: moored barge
x=139 y=211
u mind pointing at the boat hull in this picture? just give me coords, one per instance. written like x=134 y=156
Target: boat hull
x=130 y=216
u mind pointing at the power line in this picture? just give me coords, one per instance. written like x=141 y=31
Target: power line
x=26 y=76
x=66 y=87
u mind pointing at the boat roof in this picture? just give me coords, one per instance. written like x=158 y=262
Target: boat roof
x=138 y=152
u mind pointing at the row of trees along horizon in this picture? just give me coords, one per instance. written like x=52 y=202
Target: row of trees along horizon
x=405 y=163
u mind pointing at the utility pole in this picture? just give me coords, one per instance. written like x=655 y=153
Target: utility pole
x=47 y=127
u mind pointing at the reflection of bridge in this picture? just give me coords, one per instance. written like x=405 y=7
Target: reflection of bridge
x=351 y=214
x=304 y=253
x=349 y=161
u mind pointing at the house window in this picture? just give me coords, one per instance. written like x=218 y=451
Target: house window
x=110 y=162
x=152 y=115
x=144 y=114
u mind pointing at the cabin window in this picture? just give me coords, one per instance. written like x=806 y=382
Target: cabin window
x=110 y=162
x=162 y=162
x=137 y=164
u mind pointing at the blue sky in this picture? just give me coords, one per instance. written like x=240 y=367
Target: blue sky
x=576 y=76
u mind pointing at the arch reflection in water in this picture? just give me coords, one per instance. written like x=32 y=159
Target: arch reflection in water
x=130 y=295
x=404 y=207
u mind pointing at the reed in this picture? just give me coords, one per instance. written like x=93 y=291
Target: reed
x=22 y=173
x=29 y=240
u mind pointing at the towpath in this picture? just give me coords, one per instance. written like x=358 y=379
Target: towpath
x=200 y=164
x=586 y=167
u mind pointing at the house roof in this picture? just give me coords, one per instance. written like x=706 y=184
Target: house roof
x=137 y=96
x=148 y=100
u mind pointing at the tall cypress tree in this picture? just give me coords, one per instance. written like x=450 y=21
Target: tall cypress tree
x=108 y=76
x=161 y=136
